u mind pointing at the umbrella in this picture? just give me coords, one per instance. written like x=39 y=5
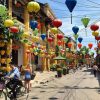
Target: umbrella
x=59 y=58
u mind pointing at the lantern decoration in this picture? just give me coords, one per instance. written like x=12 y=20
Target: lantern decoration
x=43 y=36
x=2 y=52
x=99 y=45
x=33 y=7
x=69 y=44
x=79 y=45
x=25 y=35
x=35 y=39
x=90 y=45
x=35 y=32
x=71 y=5
x=59 y=43
x=80 y=39
x=33 y=24
x=3 y=10
x=95 y=33
x=8 y=23
x=8 y=60
x=3 y=60
x=65 y=40
x=39 y=26
x=8 y=52
x=83 y=52
x=14 y=29
x=57 y=23
x=60 y=36
x=97 y=38
x=85 y=22
x=54 y=30
x=94 y=27
x=75 y=29
x=50 y=39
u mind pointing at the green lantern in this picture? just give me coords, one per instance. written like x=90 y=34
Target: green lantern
x=3 y=10
x=76 y=36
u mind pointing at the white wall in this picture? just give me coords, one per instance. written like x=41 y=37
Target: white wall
x=20 y=56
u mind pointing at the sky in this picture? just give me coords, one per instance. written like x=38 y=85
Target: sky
x=88 y=8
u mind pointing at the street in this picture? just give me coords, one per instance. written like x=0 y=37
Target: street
x=81 y=85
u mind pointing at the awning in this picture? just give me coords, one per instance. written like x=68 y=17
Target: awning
x=59 y=58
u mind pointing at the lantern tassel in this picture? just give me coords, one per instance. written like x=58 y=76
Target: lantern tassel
x=71 y=18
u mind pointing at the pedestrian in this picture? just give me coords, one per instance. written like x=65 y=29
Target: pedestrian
x=95 y=68
x=28 y=73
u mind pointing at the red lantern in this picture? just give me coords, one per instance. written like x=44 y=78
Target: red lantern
x=94 y=27
x=90 y=45
x=97 y=38
x=69 y=45
x=39 y=26
x=14 y=29
x=57 y=23
x=79 y=45
x=59 y=43
x=50 y=39
x=99 y=45
x=60 y=36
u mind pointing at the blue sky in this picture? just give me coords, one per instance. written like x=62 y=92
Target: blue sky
x=89 y=8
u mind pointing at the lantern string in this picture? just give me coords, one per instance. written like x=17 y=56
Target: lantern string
x=71 y=18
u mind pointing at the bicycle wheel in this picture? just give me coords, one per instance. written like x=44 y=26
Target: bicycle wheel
x=3 y=95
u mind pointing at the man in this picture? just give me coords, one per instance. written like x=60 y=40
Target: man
x=95 y=68
x=14 y=76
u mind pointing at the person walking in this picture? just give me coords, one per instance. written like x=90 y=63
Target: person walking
x=28 y=73
x=95 y=68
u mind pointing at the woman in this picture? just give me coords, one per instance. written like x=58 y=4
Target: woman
x=28 y=72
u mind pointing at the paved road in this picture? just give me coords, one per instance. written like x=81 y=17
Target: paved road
x=81 y=85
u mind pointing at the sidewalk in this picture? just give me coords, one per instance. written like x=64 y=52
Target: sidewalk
x=42 y=77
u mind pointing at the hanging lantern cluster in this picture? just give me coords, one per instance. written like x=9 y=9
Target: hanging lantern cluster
x=33 y=7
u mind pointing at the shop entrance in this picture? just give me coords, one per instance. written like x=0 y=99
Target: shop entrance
x=15 y=57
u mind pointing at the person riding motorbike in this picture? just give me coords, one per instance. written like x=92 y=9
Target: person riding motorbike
x=14 y=76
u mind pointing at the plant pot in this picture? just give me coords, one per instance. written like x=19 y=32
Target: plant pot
x=64 y=71
x=59 y=73
x=67 y=71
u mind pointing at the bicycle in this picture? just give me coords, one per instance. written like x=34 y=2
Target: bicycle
x=6 y=94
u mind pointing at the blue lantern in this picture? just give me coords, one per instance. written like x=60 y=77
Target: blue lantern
x=43 y=36
x=70 y=5
x=80 y=39
x=33 y=24
x=75 y=29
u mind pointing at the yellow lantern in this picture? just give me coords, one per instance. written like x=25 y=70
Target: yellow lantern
x=95 y=33
x=8 y=69
x=3 y=60
x=25 y=35
x=8 y=23
x=33 y=7
x=8 y=52
x=54 y=30
x=8 y=60
x=35 y=39
x=2 y=52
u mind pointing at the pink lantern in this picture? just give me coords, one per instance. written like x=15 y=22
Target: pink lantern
x=57 y=23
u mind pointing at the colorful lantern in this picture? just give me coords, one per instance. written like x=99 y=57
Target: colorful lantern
x=50 y=39
x=3 y=60
x=14 y=29
x=8 y=23
x=94 y=27
x=97 y=38
x=2 y=52
x=60 y=36
x=3 y=10
x=75 y=29
x=8 y=60
x=43 y=36
x=35 y=32
x=33 y=7
x=76 y=36
x=33 y=24
x=90 y=45
x=70 y=5
x=95 y=33
x=79 y=45
x=69 y=44
x=57 y=23
x=80 y=39
x=85 y=21
x=59 y=43
x=54 y=30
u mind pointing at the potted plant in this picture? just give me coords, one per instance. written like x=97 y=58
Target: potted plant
x=52 y=68
x=59 y=72
x=64 y=70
